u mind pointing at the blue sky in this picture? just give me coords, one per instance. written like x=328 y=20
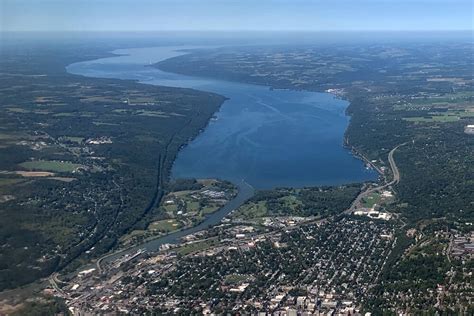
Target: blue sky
x=234 y=15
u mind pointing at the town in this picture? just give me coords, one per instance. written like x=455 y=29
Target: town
x=314 y=267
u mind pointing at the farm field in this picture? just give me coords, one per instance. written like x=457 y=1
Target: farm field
x=50 y=165
x=82 y=158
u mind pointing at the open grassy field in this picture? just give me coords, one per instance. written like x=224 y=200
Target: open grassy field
x=134 y=233
x=10 y=181
x=371 y=200
x=192 y=206
x=74 y=139
x=171 y=208
x=11 y=136
x=252 y=210
x=17 y=110
x=167 y=225
x=34 y=173
x=50 y=165
x=451 y=115
x=291 y=202
x=235 y=278
x=209 y=209
x=153 y=113
x=435 y=118
x=197 y=246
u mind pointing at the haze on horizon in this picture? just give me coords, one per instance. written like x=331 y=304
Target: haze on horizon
x=235 y=15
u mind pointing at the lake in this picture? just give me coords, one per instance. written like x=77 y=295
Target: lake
x=268 y=138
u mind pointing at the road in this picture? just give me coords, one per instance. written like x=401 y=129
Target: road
x=366 y=192
x=393 y=165
x=355 y=204
x=53 y=280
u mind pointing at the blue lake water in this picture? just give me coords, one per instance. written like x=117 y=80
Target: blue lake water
x=269 y=138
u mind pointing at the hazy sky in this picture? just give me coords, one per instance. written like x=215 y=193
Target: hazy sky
x=310 y=15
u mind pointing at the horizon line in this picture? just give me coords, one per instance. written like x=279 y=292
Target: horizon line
x=237 y=31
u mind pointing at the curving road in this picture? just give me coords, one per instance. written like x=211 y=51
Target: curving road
x=396 y=179
x=393 y=166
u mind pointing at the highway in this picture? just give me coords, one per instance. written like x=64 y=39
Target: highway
x=396 y=179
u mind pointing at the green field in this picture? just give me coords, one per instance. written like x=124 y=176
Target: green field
x=371 y=200
x=235 y=278
x=464 y=113
x=4 y=136
x=450 y=98
x=166 y=225
x=153 y=114
x=291 y=202
x=74 y=139
x=192 y=206
x=131 y=235
x=436 y=118
x=50 y=165
x=209 y=209
x=10 y=181
x=197 y=246
x=449 y=116
x=252 y=210
x=17 y=110
x=171 y=208
x=97 y=123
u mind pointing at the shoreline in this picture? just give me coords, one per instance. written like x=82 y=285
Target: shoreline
x=168 y=174
x=245 y=192
x=336 y=93
x=185 y=51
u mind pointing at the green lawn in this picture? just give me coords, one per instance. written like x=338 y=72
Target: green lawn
x=371 y=200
